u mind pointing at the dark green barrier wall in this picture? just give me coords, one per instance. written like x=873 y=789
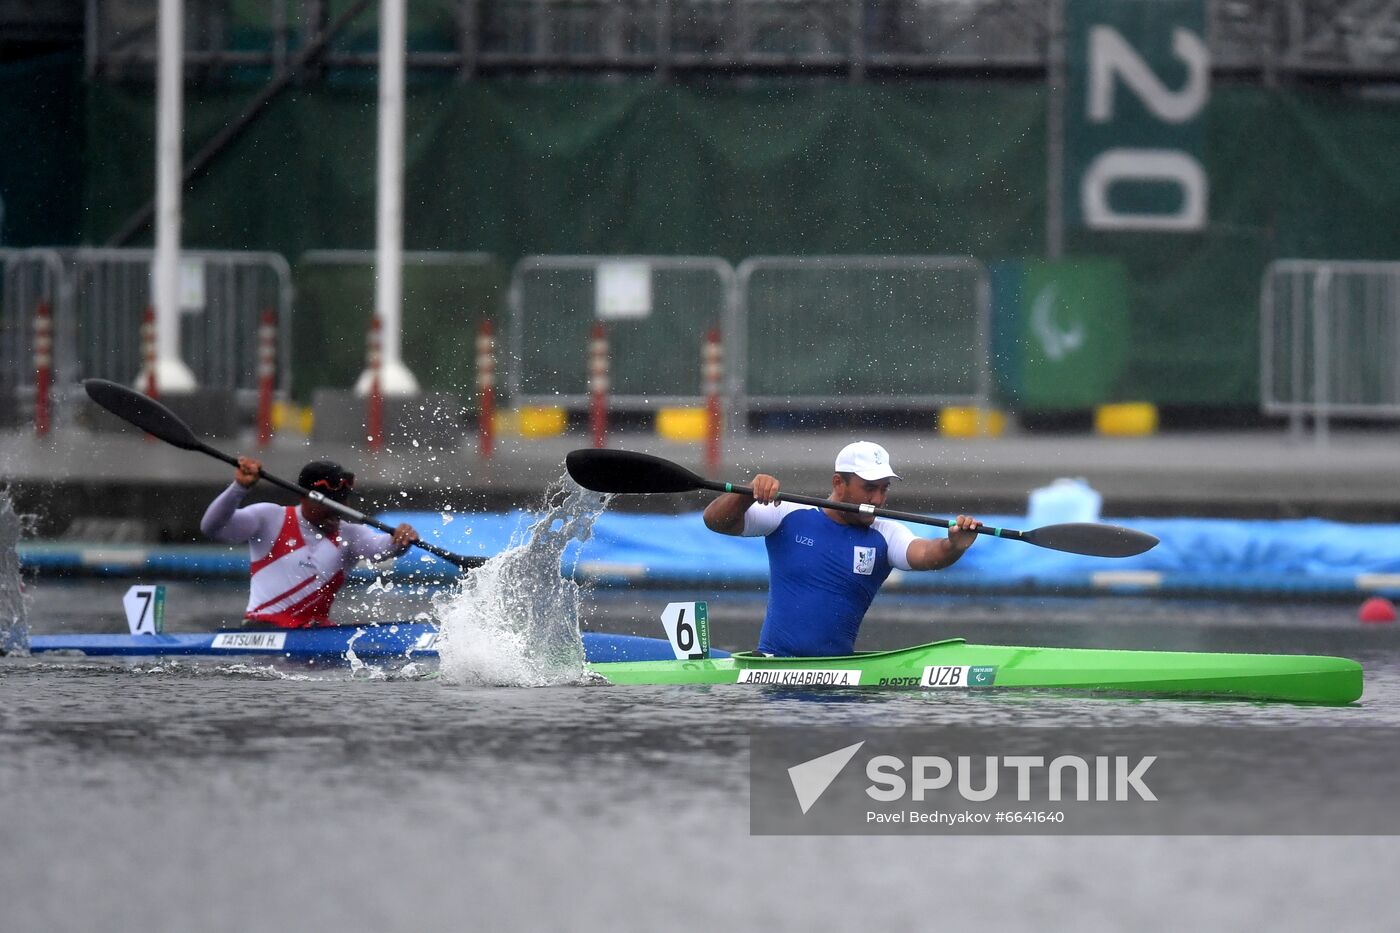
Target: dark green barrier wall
x=41 y=151
x=514 y=167
x=1298 y=173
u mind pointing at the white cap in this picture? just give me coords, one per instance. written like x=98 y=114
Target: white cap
x=869 y=461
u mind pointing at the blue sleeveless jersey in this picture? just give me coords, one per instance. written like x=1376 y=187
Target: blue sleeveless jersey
x=823 y=575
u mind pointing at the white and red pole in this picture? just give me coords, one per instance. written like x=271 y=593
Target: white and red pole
x=485 y=390
x=43 y=367
x=712 y=373
x=598 y=383
x=374 y=416
x=267 y=374
x=148 y=351
x=148 y=355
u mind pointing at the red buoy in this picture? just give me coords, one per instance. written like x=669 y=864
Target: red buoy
x=1377 y=610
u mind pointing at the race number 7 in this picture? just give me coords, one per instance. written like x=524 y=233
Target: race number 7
x=145 y=609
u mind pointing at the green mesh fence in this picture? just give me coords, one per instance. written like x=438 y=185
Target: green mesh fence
x=445 y=297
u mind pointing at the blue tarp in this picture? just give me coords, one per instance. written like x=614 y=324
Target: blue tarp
x=1200 y=555
x=1195 y=554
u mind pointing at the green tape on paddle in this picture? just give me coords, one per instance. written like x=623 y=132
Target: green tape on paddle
x=985 y=529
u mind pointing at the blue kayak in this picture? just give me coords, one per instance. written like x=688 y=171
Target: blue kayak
x=383 y=642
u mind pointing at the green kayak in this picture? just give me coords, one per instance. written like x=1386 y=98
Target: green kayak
x=953 y=664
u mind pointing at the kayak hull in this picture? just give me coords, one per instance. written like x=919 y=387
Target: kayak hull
x=954 y=664
x=388 y=641
x=626 y=660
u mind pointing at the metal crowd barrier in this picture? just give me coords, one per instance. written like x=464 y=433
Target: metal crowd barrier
x=445 y=296
x=799 y=334
x=875 y=332
x=657 y=309
x=31 y=278
x=1329 y=341
x=222 y=294
x=97 y=300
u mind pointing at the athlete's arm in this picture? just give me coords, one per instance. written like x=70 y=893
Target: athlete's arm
x=726 y=513
x=937 y=553
x=374 y=545
x=225 y=521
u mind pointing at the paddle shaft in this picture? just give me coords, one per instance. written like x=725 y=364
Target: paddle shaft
x=622 y=471
x=155 y=419
x=465 y=563
x=863 y=509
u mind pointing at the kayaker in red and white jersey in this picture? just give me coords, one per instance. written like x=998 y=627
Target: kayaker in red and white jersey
x=299 y=554
x=824 y=565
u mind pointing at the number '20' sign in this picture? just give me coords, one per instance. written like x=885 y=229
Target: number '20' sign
x=1143 y=81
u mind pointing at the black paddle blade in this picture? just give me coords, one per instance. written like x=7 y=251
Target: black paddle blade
x=1092 y=539
x=626 y=472
x=143 y=411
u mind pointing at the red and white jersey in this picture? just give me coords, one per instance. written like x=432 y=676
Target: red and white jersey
x=296 y=570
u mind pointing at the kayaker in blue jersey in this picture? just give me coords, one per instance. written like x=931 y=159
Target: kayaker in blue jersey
x=825 y=566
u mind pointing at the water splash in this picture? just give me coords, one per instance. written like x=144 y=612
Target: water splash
x=14 y=629
x=515 y=620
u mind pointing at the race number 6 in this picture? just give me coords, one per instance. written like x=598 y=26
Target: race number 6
x=687 y=627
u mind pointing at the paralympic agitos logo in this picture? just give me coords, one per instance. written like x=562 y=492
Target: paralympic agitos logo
x=979 y=778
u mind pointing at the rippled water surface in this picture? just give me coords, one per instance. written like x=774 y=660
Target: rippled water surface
x=200 y=796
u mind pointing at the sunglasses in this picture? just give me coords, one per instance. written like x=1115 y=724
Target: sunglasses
x=346 y=481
